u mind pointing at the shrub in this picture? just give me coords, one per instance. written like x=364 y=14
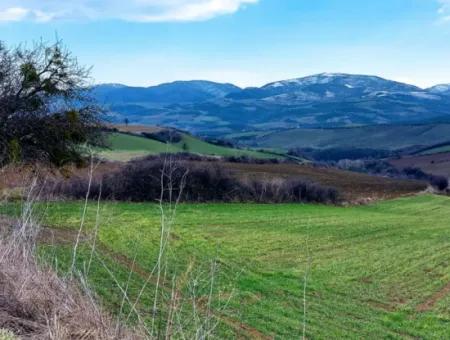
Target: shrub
x=140 y=180
x=251 y=160
x=383 y=168
x=76 y=187
x=288 y=190
x=439 y=182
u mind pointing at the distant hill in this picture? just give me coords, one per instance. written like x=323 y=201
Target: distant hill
x=164 y=94
x=322 y=100
x=386 y=137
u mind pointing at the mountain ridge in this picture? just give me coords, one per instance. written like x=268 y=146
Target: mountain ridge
x=320 y=100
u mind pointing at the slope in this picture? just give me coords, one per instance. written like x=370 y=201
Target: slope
x=387 y=137
x=123 y=147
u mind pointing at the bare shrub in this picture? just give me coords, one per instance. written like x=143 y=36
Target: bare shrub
x=384 y=168
x=288 y=190
x=439 y=182
x=206 y=182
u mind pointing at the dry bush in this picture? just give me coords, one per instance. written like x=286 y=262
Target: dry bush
x=37 y=304
x=139 y=180
x=15 y=179
x=280 y=190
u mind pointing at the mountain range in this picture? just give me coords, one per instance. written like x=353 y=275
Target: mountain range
x=324 y=100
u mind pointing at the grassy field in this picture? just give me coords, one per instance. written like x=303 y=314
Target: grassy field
x=374 y=272
x=440 y=149
x=375 y=137
x=123 y=147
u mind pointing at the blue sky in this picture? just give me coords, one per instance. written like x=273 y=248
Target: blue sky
x=246 y=42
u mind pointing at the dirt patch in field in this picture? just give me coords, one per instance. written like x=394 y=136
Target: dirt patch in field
x=435 y=298
x=383 y=306
x=59 y=236
x=250 y=332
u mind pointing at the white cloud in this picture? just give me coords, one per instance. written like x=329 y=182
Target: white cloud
x=13 y=14
x=20 y=14
x=444 y=10
x=130 y=10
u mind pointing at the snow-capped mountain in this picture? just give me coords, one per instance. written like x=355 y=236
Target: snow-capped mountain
x=322 y=100
x=443 y=89
x=325 y=86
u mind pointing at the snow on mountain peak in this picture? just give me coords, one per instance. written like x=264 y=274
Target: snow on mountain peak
x=441 y=88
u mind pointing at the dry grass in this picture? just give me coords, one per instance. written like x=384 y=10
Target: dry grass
x=35 y=303
x=15 y=179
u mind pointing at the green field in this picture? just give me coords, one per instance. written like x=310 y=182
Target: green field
x=376 y=272
x=389 y=137
x=440 y=149
x=123 y=147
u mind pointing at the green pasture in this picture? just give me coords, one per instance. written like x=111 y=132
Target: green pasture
x=123 y=147
x=372 y=272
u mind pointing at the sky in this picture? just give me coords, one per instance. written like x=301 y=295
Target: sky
x=245 y=42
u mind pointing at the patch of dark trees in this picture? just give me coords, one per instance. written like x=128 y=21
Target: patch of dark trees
x=369 y=161
x=221 y=142
x=337 y=154
x=164 y=136
x=169 y=179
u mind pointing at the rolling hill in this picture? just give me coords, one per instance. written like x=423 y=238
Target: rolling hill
x=169 y=93
x=386 y=137
x=125 y=146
